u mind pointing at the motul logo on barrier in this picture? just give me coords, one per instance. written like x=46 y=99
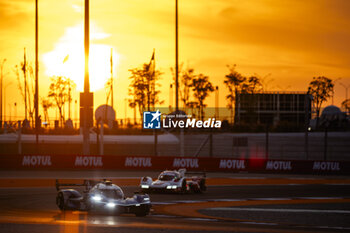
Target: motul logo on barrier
x=326 y=166
x=187 y=163
x=279 y=165
x=232 y=164
x=138 y=162
x=36 y=160
x=88 y=161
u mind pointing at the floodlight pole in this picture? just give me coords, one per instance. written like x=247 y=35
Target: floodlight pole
x=346 y=90
x=86 y=134
x=217 y=102
x=25 y=83
x=1 y=92
x=176 y=58
x=36 y=97
x=112 y=97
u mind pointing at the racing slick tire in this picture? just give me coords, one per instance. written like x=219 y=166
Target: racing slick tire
x=202 y=186
x=145 y=191
x=60 y=201
x=89 y=206
x=183 y=186
x=142 y=211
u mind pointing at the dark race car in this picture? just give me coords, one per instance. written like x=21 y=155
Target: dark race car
x=101 y=196
x=175 y=181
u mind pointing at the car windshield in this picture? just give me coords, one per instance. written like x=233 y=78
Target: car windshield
x=112 y=193
x=166 y=177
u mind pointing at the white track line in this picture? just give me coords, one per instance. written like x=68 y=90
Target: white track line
x=189 y=201
x=271 y=199
x=247 y=199
x=261 y=223
x=281 y=210
x=321 y=198
x=162 y=203
x=338 y=184
x=227 y=200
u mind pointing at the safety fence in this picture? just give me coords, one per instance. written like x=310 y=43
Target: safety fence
x=109 y=162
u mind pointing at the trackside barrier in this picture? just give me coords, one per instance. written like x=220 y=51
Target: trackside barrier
x=110 y=162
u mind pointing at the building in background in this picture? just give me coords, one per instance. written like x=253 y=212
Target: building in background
x=273 y=108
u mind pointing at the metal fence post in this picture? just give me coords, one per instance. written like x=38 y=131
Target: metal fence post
x=101 y=139
x=211 y=143
x=306 y=143
x=155 y=142
x=307 y=122
x=325 y=143
x=182 y=143
x=267 y=143
x=5 y=127
x=19 y=139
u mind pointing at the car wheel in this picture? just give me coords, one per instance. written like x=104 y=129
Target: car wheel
x=142 y=213
x=145 y=191
x=88 y=205
x=197 y=189
x=202 y=186
x=183 y=186
x=60 y=201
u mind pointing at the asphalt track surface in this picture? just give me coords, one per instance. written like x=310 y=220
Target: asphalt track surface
x=289 y=206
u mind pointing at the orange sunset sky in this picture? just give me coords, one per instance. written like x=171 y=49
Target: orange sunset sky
x=291 y=41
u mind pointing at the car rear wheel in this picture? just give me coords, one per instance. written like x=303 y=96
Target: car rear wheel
x=183 y=186
x=141 y=213
x=202 y=186
x=60 y=201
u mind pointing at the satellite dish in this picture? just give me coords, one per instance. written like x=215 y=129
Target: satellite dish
x=106 y=114
x=332 y=113
x=331 y=110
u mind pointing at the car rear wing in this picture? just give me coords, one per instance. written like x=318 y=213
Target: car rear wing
x=87 y=184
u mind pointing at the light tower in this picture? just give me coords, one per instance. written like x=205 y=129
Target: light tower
x=36 y=97
x=176 y=58
x=86 y=98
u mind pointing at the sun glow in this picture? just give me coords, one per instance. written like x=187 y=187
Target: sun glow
x=67 y=58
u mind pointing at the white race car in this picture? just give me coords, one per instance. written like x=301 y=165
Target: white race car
x=175 y=181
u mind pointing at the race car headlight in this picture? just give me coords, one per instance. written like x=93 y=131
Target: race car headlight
x=146 y=199
x=110 y=205
x=96 y=198
x=174 y=187
x=144 y=186
x=168 y=187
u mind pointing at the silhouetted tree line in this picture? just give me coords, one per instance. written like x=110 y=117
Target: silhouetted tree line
x=194 y=88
